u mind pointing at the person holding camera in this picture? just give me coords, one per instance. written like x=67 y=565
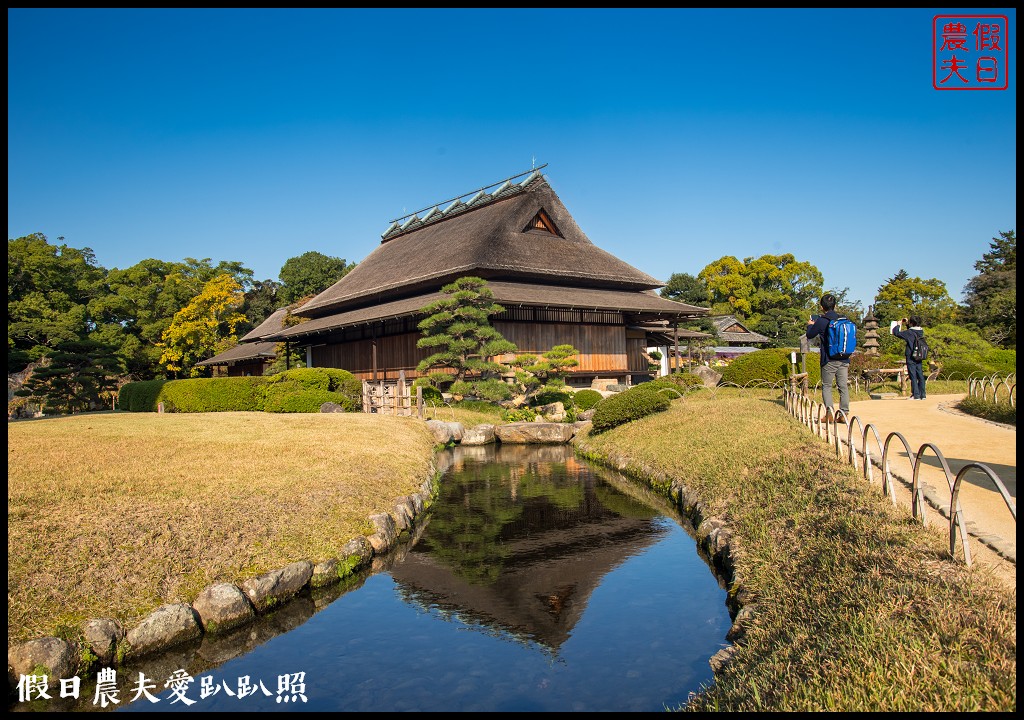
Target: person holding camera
x=910 y=332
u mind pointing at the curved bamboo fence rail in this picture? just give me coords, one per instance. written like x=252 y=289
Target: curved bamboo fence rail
x=993 y=388
x=822 y=422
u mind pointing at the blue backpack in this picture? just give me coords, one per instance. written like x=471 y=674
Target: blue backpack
x=842 y=339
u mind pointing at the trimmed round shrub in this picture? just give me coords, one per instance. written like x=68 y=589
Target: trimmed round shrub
x=431 y=394
x=953 y=369
x=771 y=365
x=586 y=399
x=549 y=395
x=312 y=387
x=633 y=404
x=1002 y=361
x=139 y=396
x=666 y=387
x=686 y=379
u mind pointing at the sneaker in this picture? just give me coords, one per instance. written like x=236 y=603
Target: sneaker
x=840 y=420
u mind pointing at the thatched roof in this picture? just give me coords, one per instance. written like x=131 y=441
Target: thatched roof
x=243 y=352
x=273 y=324
x=252 y=345
x=510 y=295
x=490 y=238
x=730 y=329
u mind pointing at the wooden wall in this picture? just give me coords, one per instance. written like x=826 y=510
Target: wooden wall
x=604 y=349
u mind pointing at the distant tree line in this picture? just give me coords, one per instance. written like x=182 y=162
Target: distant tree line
x=83 y=330
x=773 y=295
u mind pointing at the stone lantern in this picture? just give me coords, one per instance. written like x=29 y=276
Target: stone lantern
x=870 y=333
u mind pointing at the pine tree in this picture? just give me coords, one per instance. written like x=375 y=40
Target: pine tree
x=458 y=328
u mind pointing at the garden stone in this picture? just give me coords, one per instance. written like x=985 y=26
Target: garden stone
x=359 y=548
x=709 y=377
x=554 y=412
x=581 y=426
x=441 y=431
x=722 y=658
x=403 y=514
x=52 y=653
x=330 y=407
x=165 y=627
x=324 y=573
x=478 y=435
x=102 y=636
x=222 y=607
x=534 y=433
x=273 y=588
x=387 y=533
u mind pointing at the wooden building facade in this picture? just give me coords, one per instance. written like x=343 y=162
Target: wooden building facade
x=555 y=285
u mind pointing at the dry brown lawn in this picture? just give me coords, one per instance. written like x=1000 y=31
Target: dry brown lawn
x=114 y=514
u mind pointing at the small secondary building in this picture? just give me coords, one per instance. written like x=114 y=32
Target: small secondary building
x=253 y=354
x=735 y=338
x=556 y=286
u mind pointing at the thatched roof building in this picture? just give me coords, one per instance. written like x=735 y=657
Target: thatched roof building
x=253 y=354
x=733 y=333
x=556 y=286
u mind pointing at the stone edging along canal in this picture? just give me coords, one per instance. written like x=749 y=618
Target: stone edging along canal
x=225 y=607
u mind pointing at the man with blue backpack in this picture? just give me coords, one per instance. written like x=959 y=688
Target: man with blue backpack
x=838 y=342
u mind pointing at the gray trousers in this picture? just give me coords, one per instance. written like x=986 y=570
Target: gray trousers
x=835 y=370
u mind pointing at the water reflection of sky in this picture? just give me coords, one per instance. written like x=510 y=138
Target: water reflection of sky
x=602 y=618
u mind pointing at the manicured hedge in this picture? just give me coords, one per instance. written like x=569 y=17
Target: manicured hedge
x=771 y=365
x=140 y=396
x=586 y=399
x=299 y=390
x=213 y=394
x=624 y=407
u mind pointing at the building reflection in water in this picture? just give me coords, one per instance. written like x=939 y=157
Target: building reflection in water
x=519 y=539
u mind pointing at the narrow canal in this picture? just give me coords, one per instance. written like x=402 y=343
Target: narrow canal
x=537 y=582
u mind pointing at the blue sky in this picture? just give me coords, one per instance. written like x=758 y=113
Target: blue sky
x=674 y=137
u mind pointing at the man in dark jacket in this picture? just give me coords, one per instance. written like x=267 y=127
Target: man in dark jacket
x=837 y=370
x=914 y=369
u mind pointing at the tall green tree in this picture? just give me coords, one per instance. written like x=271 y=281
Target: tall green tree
x=141 y=301
x=458 y=329
x=990 y=297
x=902 y=296
x=261 y=300
x=310 y=274
x=755 y=286
x=199 y=330
x=49 y=289
x=685 y=288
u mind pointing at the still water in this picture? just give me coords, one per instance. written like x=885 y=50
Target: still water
x=537 y=582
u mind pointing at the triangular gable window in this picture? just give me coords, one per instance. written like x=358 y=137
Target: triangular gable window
x=543 y=223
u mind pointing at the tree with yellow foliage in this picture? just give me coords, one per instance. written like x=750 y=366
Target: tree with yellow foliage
x=201 y=329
